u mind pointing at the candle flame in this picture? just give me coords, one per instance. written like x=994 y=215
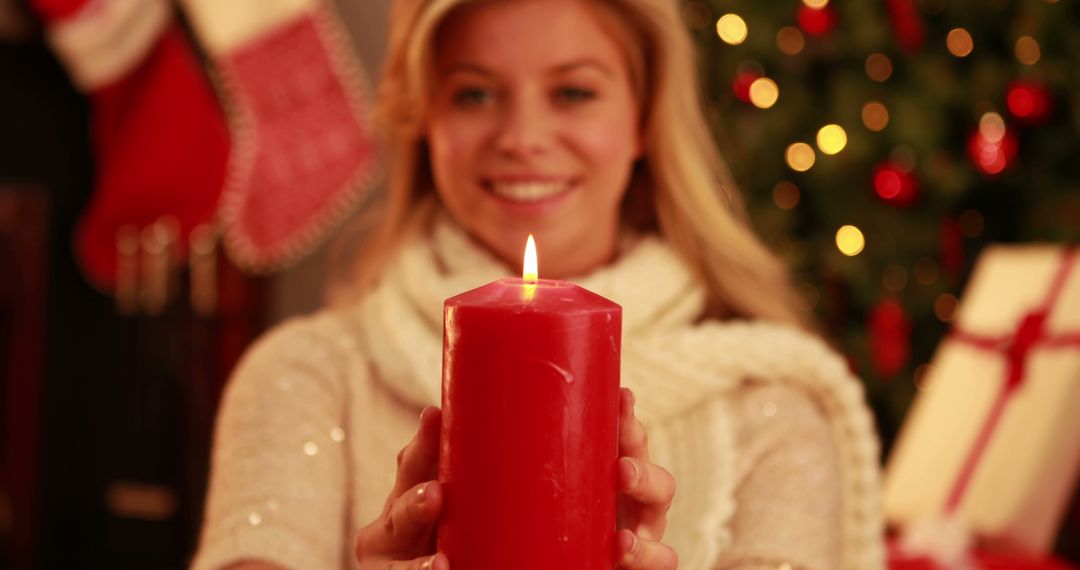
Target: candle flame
x=530 y=272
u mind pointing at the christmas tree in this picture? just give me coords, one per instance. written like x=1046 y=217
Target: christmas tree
x=881 y=145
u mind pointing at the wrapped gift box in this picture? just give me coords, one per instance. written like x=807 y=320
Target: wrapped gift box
x=994 y=438
x=898 y=560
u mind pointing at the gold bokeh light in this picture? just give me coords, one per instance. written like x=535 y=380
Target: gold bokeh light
x=800 y=156
x=764 y=92
x=790 y=41
x=850 y=240
x=831 y=139
x=992 y=127
x=875 y=115
x=1027 y=50
x=946 y=306
x=879 y=67
x=959 y=42
x=732 y=29
x=785 y=195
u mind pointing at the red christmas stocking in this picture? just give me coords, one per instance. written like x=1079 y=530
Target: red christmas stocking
x=159 y=137
x=303 y=149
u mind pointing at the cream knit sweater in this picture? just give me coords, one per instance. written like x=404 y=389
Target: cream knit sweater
x=763 y=427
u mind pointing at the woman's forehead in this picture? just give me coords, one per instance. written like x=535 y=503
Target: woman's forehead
x=544 y=36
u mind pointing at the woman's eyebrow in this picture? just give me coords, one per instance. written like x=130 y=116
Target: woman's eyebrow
x=580 y=64
x=560 y=69
x=466 y=68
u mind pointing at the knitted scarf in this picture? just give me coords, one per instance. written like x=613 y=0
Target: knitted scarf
x=680 y=370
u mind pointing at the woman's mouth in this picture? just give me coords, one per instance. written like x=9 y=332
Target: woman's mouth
x=528 y=191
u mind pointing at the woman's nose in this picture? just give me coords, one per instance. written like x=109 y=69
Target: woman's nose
x=524 y=130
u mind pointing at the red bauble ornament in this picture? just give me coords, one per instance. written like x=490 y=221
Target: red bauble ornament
x=817 y=21
x=895 y=185
x=890 y=338
x=990 y=156
x=1028 y=101
x=907 y=24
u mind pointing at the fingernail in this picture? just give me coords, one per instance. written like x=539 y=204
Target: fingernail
x=629 y=544
x=635 y=472
x=428 y=564
x=633 y=399
x=421 y=494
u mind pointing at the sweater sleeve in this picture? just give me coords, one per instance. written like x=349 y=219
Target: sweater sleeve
x=788 y=513
x=277 y=490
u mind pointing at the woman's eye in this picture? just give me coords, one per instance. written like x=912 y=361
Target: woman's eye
x=575 y=95
x=472 y=97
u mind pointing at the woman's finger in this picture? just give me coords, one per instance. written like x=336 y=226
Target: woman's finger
x=437 y=562
x=419 y=460
x=647 y=483
x=636 y=553
x=653 y=488
x=633 y=440
x=404 y=526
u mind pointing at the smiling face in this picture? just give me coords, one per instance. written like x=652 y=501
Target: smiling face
x=534 y=128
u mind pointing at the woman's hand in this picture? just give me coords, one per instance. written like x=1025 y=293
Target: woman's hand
x=646 y=493
x=403 y=537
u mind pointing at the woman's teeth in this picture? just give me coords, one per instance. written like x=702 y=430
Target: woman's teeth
x=529 y=191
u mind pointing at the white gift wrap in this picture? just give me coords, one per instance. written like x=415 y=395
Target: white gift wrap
x=1019 y=489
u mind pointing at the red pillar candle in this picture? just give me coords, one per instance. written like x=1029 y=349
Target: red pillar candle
x=529 y=427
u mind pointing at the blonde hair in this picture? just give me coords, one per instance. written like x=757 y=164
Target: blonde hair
x=681 y=188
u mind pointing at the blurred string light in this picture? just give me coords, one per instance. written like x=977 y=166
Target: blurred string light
x=933 y=6
x=816 y=4
x=764 y=92
x=903 y=156
x=959 y=42
x=894 y=278
x=742 y=83
x=879 y=67
x=895 y=184
x=992 y=127
x=887 y=183
x=945 y=306
x=850 y=240
x=875 y=116
x=790 y=41
x=971 y=223
x=745 y=75
x=816 y=21
x=831 y=139
x=1028 y=100
x=732 y=29
x=926 y=271
x=1027 y=50
x=992 y=146
x=785 y=195
x=800 y=156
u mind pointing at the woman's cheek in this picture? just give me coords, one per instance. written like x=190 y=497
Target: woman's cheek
x=463 y=142
x=607 y=136
x=609 y=149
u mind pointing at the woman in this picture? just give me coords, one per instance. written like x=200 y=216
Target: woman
x=577 y=121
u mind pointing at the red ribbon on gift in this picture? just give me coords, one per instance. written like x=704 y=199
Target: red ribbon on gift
x=1016 y=347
